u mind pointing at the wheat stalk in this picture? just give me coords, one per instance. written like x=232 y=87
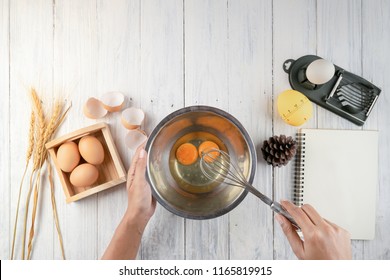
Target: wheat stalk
x=37 y=157
x=28 y=157
x=33 y=214
x=62 y=118
x=31 y=137
x=41 y=131
x=26 y=214
x=49 y=130
x=53 y=199
x=54 y=207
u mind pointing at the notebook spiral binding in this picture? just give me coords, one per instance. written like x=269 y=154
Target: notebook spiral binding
x=299 y=174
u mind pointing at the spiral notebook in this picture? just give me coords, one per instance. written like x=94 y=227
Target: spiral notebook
x=337 y=173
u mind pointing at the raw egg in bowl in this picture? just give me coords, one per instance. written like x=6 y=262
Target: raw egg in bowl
x=174 y=152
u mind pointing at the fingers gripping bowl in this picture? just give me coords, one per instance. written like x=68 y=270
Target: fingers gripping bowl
x=183 y=189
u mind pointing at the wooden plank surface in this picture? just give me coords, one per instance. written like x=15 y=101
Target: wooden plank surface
x=161 y=92
x=344 y=48
x=206 y=83
x=76 y=41
x=294 y=35
x=375 y=68
x=117 y=70
x=250 y=90
x=30 y=67
x=164 y=55
x=6 y=217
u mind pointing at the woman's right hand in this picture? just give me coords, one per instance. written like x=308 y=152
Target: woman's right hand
x=322 y=238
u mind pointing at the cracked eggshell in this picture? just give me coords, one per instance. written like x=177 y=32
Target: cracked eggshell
x=113 y=101
x=134 y=138
x=132 y=118
x=94 y=109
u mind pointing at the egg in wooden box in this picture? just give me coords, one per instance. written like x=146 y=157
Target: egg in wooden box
x=83 y=176
x=68 y=156
x=110 y=169
x=91 y=150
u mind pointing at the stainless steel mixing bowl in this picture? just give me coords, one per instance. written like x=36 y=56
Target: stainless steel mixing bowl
x=190 y=199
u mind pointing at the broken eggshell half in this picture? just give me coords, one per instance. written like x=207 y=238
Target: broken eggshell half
x=93 y=109
x=132 y=118
x=113 y=101
x=134 y=138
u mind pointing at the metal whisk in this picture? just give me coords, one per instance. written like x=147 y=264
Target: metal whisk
x=217 y=165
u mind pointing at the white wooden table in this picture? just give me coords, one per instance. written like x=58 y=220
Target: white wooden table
x=165 y=55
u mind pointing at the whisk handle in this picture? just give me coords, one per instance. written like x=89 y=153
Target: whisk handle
x=278 y=208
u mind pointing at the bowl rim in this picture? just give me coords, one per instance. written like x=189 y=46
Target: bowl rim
x=217 y=111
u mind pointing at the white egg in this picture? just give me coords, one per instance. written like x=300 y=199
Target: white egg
x=320 y=71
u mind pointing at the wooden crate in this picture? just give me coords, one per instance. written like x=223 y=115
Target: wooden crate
x=111 y=171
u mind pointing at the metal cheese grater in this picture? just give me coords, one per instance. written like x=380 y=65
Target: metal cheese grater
x=346 y=94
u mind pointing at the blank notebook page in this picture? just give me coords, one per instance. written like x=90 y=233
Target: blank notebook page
x=341 y=176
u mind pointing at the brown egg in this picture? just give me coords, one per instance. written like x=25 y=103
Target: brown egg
x=84 y=175
x=68 y=156
x=91 y=150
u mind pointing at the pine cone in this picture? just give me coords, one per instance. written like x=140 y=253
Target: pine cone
x=278 y=150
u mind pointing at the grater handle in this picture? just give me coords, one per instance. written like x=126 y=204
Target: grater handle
x=287 y=65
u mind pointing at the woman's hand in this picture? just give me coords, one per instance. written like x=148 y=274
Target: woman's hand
x=322 y=239
x=141 y=204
